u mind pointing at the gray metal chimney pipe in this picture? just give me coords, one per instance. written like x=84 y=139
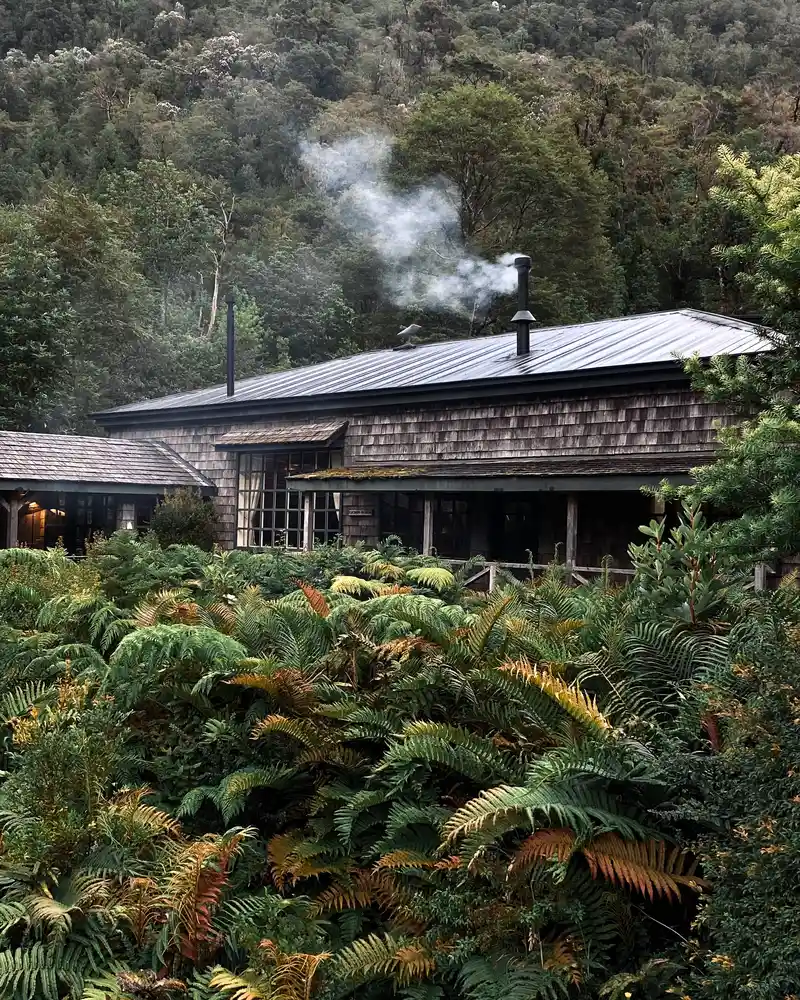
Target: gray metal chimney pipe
x=231 y=353
x=523 y=317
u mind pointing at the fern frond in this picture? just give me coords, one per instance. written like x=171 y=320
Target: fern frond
x=315 y=599
x=305 y=732
x=570 y=697
x=434 y=577
x=415 y=859
x=478 y=634
x=285 y=685
x=556 y=843
x=356 y=586
x=248 y=985
x=651 y=868
x=402 y=960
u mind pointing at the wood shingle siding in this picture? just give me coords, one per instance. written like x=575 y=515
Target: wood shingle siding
x=667 y=421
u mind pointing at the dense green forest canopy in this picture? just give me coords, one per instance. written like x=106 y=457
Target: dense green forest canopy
x=151 y=158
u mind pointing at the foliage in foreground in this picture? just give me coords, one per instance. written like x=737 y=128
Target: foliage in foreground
x=221 y=780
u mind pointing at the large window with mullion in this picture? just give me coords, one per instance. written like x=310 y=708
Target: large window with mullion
x=269 y=514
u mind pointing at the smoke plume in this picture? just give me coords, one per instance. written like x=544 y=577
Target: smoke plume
x=416 y=233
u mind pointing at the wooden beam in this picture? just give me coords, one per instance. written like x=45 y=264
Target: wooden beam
x=12 y=526
x=427 y=525
x=571 y=551
x=308 y=522
x=760 y=582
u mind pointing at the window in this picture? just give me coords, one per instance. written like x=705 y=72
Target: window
x=451 y=527
x=126 y=516
x=401 y=514
x=269 y=513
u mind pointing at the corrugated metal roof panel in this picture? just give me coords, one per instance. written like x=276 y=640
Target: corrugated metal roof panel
x=70 y=458
x=612 y=343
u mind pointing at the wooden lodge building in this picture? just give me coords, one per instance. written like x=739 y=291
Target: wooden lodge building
x=520 y=447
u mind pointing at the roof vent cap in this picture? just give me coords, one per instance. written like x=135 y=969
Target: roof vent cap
x=408 y=336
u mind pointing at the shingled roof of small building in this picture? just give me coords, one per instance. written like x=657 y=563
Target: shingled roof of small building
x=28 y=461
x=607 y=349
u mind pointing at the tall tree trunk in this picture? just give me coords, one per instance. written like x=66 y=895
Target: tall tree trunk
x=212 y=319
x=226 y=215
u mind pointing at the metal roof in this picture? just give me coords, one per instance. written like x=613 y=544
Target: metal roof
x=27 y=460
x=626 y=342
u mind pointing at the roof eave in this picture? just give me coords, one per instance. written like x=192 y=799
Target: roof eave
x=483 y=389
x=8 y=485
x=593 y=482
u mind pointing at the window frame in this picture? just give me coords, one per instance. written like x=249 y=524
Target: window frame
x=268 y=513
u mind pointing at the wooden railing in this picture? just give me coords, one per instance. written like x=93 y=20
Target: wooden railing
x=573 y=574
x=581 y=574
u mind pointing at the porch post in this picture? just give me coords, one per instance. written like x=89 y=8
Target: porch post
x=427 y=525
x=571 y=551
x=12 y=507
x=308 y=522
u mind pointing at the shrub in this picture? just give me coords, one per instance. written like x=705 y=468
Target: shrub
x=185 y=518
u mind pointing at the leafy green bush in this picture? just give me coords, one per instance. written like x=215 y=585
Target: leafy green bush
x=185 y=518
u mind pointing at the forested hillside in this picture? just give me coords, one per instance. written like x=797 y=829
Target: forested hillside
x=153 y=155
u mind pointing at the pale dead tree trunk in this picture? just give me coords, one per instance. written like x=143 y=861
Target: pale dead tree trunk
x=201 y=284
x=219 y=259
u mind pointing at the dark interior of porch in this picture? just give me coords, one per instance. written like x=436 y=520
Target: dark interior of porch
x=45 y=519
x=520 y=527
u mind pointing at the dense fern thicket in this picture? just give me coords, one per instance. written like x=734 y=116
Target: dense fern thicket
x=275 y=777
x=151 y=158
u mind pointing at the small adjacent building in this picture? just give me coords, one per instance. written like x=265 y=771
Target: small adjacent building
x=518 y=449
x=64 y=488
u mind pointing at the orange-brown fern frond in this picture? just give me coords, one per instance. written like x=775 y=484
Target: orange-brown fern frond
x=223 y=616
x=540 y=846
x=341 y=896
x=172 y=605
x=403 y=647
x=317 y=600
x=199 y=872
x=412 y=962
x=287 y=686
x=142 y=905
x=363 y=888
x=415 y=859
x=650 y=867
x=562 y=956
x=295 y=975
x=292 y=856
